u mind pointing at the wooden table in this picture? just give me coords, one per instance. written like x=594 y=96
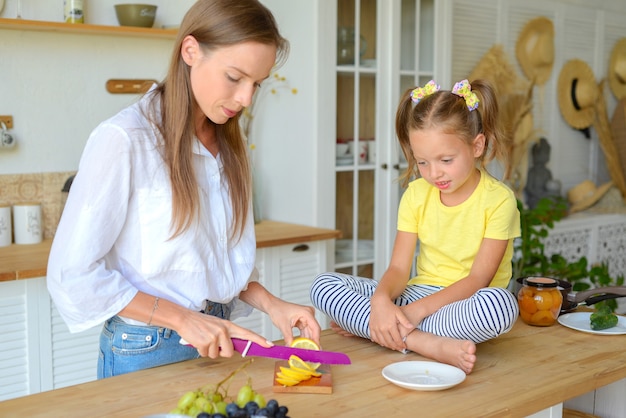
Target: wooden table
x=522 y=372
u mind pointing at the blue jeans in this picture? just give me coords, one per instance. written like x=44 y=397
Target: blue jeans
x=126 y=348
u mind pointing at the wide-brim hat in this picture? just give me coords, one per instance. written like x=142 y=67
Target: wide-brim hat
x=618 y=132
x=617 y=69
x=577 y=92
x=535 y=49
x=585 y=195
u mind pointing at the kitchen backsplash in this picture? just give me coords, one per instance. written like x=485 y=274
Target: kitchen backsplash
x=44 y=188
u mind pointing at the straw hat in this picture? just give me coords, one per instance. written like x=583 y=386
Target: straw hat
x=618 y=132
x=535 y=49
x=617 y=69
x=577 y=93
x=586 y=194
x=496 y=67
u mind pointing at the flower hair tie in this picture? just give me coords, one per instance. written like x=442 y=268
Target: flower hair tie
x=464 y=89
x=420 y=93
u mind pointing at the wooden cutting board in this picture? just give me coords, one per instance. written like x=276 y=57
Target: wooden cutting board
x=322 y=384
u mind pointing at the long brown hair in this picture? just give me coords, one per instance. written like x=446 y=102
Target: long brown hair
x=214 y=24
x=447 y=111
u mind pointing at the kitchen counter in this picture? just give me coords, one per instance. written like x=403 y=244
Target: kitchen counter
x=525 y=371
x=28 y=261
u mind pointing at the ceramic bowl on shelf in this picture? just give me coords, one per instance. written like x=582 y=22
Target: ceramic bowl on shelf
x=140 y=15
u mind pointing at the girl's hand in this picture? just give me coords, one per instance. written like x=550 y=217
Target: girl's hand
x=286 y=316
x=211 y=336
x=388 y=324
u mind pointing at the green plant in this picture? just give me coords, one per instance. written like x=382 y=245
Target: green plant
x=530 y=256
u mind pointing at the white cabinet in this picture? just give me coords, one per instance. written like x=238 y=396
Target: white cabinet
x=287 y=271
x=19 y=360
x=38 y=353
x=597 y=237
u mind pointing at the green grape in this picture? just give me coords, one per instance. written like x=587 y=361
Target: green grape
x=215 y=397
x=203 y=404
x=259 y=399
x=193 y=411
x=220 y=406
x=186 y=400
x=177 y=411
x=244 y=396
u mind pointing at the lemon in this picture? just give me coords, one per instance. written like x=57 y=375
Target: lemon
x=308 y=344
x=298 y=370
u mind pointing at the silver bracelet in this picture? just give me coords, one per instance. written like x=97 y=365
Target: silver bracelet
x=154 y=308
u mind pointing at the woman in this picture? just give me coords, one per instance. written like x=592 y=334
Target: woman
x=158 y=225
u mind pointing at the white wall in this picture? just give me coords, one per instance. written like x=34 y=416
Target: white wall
x=53 y=84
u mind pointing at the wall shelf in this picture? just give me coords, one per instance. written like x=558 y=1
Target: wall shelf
x=86 y=29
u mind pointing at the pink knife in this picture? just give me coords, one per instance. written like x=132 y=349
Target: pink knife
x=249 y=348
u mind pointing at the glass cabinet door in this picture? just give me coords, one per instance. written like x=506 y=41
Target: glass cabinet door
x=383 y=48
x=356 y=127
x=416 y=63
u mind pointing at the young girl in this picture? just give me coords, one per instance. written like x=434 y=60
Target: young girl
x=465 y=221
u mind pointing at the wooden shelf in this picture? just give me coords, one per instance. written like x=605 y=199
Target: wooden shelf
x=86 y=29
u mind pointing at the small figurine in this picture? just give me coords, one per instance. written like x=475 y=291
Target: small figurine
x=540 y=183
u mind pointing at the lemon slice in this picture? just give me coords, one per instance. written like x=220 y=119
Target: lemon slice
x=287 y=382
x=308 y=372
x=297 y=363
x=308 y=344
x=299 y=374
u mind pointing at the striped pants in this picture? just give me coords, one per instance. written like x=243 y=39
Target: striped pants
x=488 y=313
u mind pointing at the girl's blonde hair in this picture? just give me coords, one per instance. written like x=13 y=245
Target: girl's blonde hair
x=214 y=24
x=449 y=112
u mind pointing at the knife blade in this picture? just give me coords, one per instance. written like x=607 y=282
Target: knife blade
x=249 y=348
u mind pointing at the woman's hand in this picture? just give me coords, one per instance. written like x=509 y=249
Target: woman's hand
x=286 y=316
x=388 y=324
x=211 y=335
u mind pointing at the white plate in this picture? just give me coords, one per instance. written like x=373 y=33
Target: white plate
x=423 y=375
x=580 y=321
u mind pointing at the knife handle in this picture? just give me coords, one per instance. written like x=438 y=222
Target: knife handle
x=579 y=297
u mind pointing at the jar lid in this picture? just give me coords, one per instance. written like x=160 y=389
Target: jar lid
x=540 y=282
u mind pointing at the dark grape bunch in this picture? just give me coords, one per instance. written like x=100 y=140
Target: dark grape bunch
x=250 y=410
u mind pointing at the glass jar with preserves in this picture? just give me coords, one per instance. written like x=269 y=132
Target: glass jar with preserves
x=540 y=301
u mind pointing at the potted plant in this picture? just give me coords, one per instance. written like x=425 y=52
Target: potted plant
x=530 y=258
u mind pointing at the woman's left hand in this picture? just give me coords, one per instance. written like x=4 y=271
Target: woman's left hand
x=286 y=316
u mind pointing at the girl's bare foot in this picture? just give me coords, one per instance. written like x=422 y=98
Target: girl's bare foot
x=335 y=327
x=458 y=353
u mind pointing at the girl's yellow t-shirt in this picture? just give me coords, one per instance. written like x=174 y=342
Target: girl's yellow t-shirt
x=449 y=237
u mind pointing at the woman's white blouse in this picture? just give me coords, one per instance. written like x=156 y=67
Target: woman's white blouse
x=114 y=235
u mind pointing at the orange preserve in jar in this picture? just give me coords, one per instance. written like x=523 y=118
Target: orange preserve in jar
x=540 y=301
